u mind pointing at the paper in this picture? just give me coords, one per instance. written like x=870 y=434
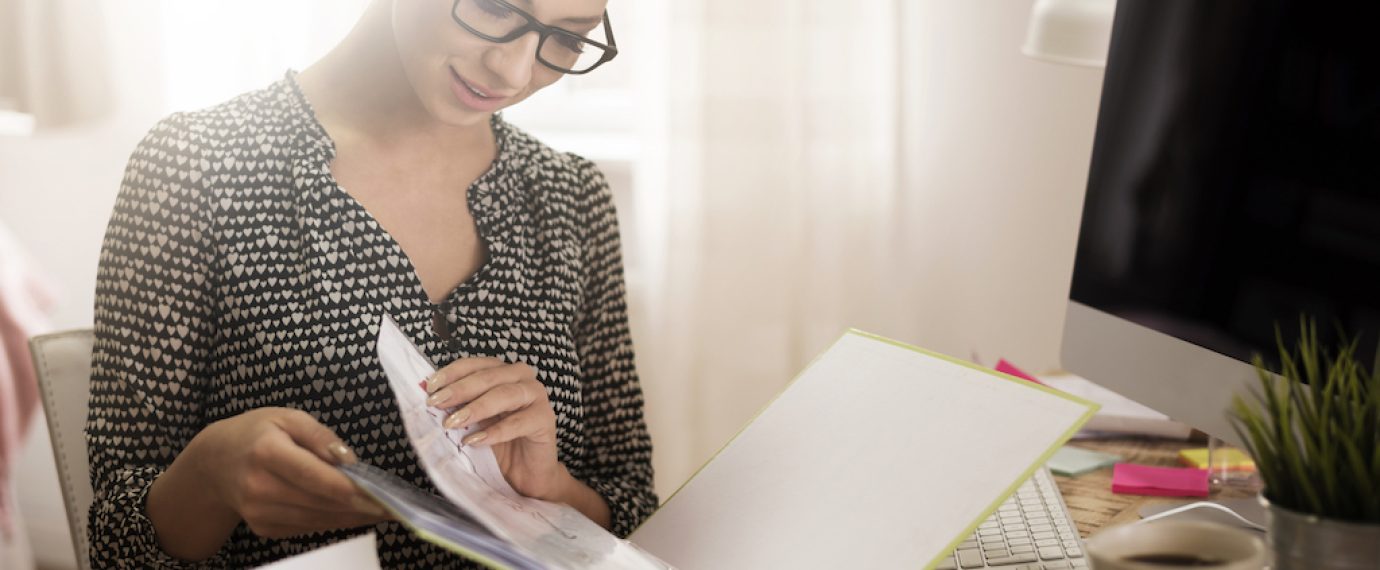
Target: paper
x=1231 y=459
x=552 y=534
x=878 y=455
x=1073 y=461
x=1118 y=414
x=358 y=553
x=1132 y=479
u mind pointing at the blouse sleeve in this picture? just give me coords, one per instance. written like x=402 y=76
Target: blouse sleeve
x=153 y=334
x=619 y=465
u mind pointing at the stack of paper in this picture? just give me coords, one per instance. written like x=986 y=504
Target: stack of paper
x=1231 y=459
x=1072 y=461
x=1131 y=479
x=1119 y=414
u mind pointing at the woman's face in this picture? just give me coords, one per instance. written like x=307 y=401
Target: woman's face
x=461 y=78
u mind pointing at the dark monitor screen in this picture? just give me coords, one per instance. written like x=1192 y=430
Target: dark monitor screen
x=1235 y=179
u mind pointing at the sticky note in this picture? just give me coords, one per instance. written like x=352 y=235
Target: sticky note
x=1132 y=479
x=1074 y=461
x=1234 y=460
x=1008 y=368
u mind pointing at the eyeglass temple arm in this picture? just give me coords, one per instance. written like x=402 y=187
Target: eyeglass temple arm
x=608 y=27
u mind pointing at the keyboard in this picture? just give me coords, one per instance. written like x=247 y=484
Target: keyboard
x=1030 y=531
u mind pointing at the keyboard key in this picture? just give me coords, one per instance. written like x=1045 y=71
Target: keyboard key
x=947 y=564
x=1051 y=553
x=970 y=543
x=1070 y=544
x=1043 y=535
x=1060 y=565
x=1080 y=564
x=1022 y=548
x=989 y=532
x=996 y=553
x=1013 y=559
x=1047 y=542
x=970 y=558
x=1075 y=552
x=1018 y=534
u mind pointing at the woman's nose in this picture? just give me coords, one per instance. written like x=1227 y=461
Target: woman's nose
x=512 y=61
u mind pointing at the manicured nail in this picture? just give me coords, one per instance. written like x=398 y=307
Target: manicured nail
x=436 y=399
x=432 y=382
x=457 y=419
x=474 y=438
x=364 y=505
x=341 y=452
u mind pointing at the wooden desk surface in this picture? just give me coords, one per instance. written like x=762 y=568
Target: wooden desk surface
x=1089 y=496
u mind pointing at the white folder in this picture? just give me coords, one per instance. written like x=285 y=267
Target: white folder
x=879 y=455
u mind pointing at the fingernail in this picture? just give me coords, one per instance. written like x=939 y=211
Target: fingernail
x=364 y=505
x=433 y=382
x=456 y=419
x=436 y=399
x=341 y=452
x=474 y=438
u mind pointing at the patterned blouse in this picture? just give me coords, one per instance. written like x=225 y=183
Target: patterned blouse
x=236 y=274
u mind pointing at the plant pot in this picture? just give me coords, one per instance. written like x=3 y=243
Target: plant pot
x=1302 y=541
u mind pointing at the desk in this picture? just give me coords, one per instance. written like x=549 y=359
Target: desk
x=1089 y=496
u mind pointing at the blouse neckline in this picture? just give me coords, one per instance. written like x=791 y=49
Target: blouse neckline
x=482 y=195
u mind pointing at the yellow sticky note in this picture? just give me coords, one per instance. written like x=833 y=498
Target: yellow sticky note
x=1234 y=459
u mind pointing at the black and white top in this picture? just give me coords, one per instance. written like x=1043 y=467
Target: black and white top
x=237 y=274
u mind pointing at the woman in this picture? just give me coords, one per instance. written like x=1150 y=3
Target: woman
x=255 y=246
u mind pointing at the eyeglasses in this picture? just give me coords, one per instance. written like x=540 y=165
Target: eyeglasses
x=562 y=50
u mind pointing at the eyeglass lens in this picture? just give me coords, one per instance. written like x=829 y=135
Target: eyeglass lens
x=562 y=49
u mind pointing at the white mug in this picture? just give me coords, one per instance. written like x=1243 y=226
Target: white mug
x=1169 y=544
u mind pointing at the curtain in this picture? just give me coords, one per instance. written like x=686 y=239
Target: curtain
x=52 y=61
x=888 y=165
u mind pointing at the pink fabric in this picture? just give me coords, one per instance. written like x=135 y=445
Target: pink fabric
x=24 y=300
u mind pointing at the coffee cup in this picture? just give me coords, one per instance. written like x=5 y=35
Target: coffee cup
x=1162 y=545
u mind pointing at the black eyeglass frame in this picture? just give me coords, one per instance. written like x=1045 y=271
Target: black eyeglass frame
x=544 y=32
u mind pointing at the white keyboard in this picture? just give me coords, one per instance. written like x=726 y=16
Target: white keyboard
x=1030 y=531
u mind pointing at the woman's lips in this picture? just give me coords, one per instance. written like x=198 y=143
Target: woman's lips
x=474 y=96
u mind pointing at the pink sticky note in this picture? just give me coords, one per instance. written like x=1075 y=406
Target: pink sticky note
x=1008 y=368
x=1132 y=479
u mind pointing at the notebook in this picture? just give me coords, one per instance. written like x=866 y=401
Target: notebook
x=878 y=455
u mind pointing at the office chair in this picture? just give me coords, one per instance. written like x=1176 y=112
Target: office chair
x=63 y=363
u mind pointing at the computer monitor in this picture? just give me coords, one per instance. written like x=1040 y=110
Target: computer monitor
x=1234 y=186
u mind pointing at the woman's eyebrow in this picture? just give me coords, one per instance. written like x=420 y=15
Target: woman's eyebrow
x=586 y=20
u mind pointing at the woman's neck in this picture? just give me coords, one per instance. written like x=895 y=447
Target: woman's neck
x=359 y=89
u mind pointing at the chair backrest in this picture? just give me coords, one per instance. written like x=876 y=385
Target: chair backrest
x=63 y=362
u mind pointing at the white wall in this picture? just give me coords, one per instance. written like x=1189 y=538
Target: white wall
x=997 y=181
x=56 y=192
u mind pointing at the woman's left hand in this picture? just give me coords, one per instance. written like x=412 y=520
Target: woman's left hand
x=516 y=417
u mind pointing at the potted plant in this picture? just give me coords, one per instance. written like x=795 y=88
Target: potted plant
x=1313 y=429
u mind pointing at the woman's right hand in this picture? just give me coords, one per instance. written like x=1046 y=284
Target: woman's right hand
x=273 y=468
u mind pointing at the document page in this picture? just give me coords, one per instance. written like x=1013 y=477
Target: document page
x=878 y=455
x=552 y=535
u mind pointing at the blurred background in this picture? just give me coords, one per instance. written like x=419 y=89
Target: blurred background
x=784 y=169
